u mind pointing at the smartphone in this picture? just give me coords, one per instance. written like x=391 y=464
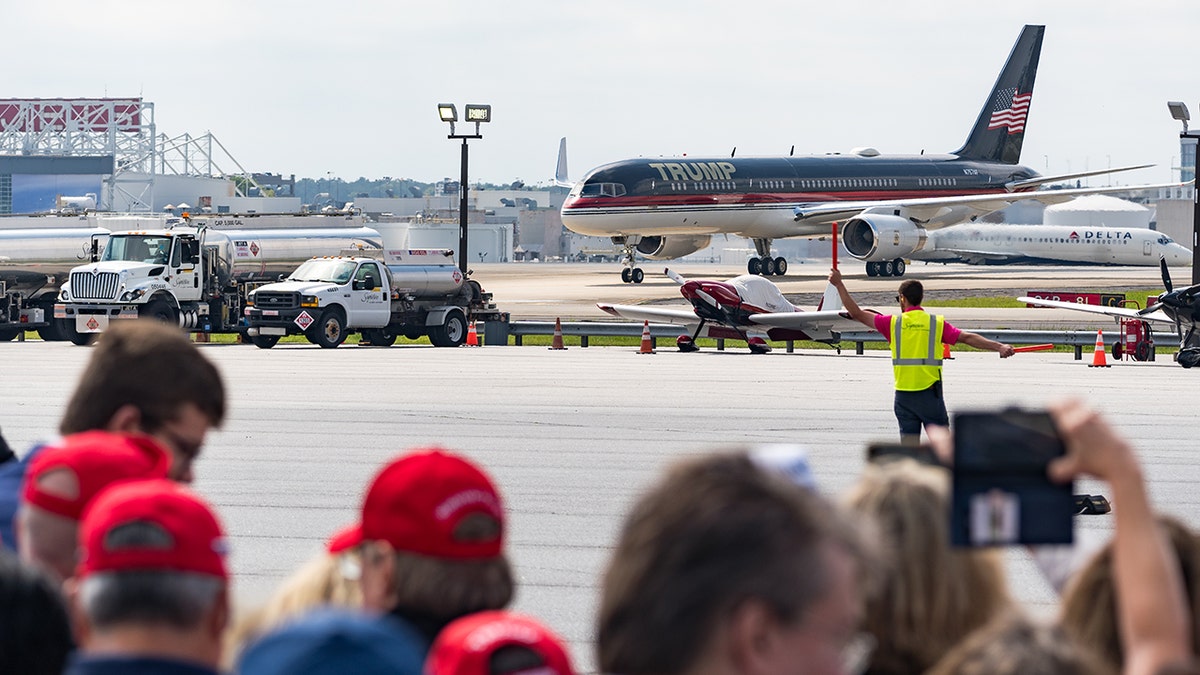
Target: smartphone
x=882 y=452
x=1000 y=492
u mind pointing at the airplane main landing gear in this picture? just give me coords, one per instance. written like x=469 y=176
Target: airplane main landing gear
x=633 y=275
x=1188 y=357
x=886 y=268
x=764 y=264
x=767 y=266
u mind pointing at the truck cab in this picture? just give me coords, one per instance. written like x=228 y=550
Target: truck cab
x=139 y=274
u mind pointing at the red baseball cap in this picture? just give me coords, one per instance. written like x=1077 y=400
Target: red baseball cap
x=344 y=539
x=95 y=460
x=416 y=502
x=469 y=646
x=151 y=525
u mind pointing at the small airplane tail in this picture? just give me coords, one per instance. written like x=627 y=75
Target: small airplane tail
x=831 y=300
x=1000 y=127
x=560 y=172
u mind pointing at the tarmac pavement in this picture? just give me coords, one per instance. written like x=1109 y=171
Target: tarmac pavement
x=573 y=436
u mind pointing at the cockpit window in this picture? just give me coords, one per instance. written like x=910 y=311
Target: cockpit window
x=603 y=190
x=1164 y=240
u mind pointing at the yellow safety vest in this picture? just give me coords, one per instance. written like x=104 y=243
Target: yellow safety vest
x=917 y=349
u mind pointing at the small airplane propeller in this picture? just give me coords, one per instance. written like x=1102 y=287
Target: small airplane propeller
x=674 y=276
x=1166 y=274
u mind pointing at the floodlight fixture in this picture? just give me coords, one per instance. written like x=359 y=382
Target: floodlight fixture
x=478 y=113
x=449 y=113
x=1179 y=111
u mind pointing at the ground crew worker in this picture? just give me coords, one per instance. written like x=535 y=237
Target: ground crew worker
x=916 y=338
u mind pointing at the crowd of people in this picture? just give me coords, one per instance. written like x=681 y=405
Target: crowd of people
x=733 y=562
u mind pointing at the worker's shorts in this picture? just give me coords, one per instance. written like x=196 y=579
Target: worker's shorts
x=917 y=408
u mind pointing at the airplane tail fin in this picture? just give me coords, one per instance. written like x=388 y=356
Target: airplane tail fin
x=560 y=172
x=831 y=300
x=1000 y=128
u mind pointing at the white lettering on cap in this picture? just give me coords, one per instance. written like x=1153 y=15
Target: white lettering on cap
x=466 y=498
x=491 y=634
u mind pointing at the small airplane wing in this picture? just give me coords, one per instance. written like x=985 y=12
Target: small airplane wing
x=923 y=209
x=1116 y=312
x=836 y=320
x=647 y=313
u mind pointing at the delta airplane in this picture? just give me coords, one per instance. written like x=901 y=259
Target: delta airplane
x=886 y=204
x=983 y=244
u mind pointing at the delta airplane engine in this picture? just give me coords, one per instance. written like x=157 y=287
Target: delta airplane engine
x=876 y=238
x=669 y=248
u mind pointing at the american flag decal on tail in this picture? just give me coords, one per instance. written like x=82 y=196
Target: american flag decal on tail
x=1010 y=110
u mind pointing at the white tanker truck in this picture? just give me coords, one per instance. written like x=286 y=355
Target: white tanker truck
x=380 y=294
x=33 y=262
x=190 y=274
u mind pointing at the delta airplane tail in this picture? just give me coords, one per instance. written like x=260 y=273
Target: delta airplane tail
x=1000 y=128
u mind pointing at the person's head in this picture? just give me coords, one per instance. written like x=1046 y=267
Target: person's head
x=145 y=376
x=336 y=642
x=1013 y=644
x=35 y=632
x=152 y=563
x=912 y=292
x=731 y=565
x=62 y=479
x=1089 y=604
x=432 y=539
x=497 y=643
x=331 y=579
x=929 y=595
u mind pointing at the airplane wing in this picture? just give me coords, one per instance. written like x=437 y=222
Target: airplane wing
x=828 y=320
x=924 y=209
x=649 y=313
x=977 y=256
x=1116 y=312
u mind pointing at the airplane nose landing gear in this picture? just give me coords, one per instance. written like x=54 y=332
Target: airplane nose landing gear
x=686 y=344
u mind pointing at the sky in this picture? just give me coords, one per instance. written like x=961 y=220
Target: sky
x=350 y=89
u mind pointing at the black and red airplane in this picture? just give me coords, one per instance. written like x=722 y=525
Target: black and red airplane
x=671 y=207
x=749 y=308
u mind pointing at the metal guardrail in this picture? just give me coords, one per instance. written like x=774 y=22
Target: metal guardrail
x=498 y=333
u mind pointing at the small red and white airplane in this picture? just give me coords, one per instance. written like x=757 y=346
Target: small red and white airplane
x=747 y=307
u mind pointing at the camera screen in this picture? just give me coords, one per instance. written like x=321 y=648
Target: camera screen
x=1009 y=440
x=1001 y=494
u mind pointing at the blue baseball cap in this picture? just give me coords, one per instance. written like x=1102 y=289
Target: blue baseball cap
x=336 y=642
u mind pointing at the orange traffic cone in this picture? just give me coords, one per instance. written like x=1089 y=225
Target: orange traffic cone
x=472 y=336
x=1098 y=358
x=647 y=341
x=557 y=342
x=946 y=352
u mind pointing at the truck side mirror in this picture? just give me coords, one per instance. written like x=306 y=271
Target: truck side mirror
x=95 y=252
x=192 y=253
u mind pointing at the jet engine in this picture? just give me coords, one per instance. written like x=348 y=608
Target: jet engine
x=664 y=248
x=875 y=238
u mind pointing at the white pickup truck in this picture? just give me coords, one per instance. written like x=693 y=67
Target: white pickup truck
x=380 y=294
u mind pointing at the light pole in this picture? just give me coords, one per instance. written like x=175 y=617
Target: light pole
x=472 y=113
x=1180 y=112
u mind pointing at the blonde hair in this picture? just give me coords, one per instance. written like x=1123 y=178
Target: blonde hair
x=929 y=596
x=319 y=582
x=1089 y=603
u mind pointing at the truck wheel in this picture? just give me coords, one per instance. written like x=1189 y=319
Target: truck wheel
x=54 y=331
x=75 y=336
x=380 y=337
x=329 y=331
x=264 y=341
x=159 y=310
x=452 y=333
x=413 y=334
